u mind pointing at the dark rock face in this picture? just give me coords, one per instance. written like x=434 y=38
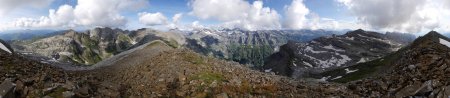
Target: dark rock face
x=282 y=58
x=332 y=52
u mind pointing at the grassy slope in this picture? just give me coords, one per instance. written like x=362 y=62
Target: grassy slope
x=367 y=69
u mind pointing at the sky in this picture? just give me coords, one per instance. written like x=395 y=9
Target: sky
x=411 y=16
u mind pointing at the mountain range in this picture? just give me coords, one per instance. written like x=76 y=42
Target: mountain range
x=161 y=64
x=306 y=59
x=86 y=48
x=92 y=46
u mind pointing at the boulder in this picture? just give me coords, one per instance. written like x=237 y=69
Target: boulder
x=7 y=89
x=68 y=94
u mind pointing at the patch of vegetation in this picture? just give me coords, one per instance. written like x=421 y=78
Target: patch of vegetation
x=90 y=57
x=89 y=43
x=366 y=69
x=123 y=37
x=193 y=58
x=154 y=43
x=249 y=54
x=57 y=93
x=172 y=43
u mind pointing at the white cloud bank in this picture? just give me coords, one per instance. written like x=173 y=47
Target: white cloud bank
x=242 y=14
x=237 y=13
x=88 y=13
x=9 y=5
x=400 y=15
x=152 y=19
x=296 y=15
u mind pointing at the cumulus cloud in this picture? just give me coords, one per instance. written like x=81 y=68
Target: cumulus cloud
x=295 y=15
x=176 y=18
x=104 y=12
x=237 y=13
x=61 y=17
x=152 y=19
x=9 y=5
x=89 y=13
x=398 y=15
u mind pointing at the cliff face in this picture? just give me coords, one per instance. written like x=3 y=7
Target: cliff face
x=331 y=52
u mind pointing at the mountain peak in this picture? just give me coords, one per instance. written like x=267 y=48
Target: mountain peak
x=432 y=39
x=434 y=35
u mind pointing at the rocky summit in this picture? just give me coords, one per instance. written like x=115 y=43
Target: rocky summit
x=306 y=59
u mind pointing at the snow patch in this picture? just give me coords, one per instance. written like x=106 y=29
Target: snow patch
x=324 y=78
x=362 y=60
x=350 y=38
x=65 y=53
x=310 y=49
x=268 y=70
x=307 y=64
x=347 y=71
x=3 y=47
x=331 y=47
x=333 y=61
x=338 y=77
x=444 y=42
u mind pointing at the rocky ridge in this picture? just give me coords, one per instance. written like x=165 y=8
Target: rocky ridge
x=299 y=59
x=420 y=70
x=91 y=46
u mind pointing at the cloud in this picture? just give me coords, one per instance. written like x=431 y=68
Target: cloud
x=398 y=15
x=176 y=18
x=61 y=17
x=88 y=13
x=237 y=13
x=223 y=10
x=104 y=12
x=295 y=15
x=152 y=19
x=10 y=5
